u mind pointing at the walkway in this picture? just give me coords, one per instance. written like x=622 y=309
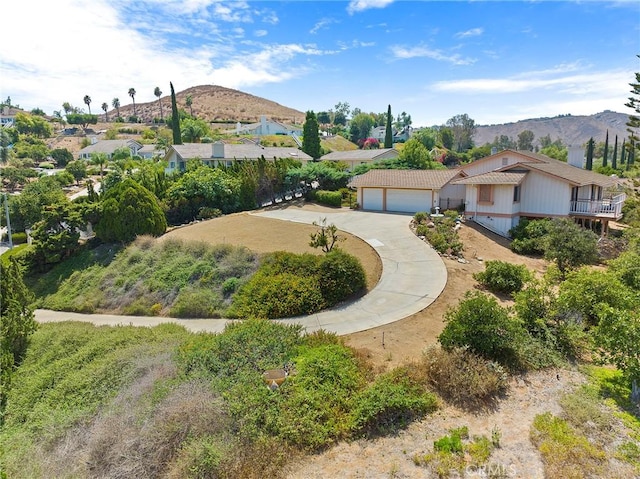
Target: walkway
x=413 y=276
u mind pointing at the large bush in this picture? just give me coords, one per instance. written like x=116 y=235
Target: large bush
x=340 y=276
x=503 y=277
x=129 y=210
x=528 y=236
x=330 y=198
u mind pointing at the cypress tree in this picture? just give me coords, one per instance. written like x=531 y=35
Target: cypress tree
x=614 y=160
x=388 y=134
x=175 y=118
x=590 y=145
x=623 y=151
x=605 y=155
x=311 y=136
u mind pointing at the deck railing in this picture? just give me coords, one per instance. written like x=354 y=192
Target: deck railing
x=607 y=207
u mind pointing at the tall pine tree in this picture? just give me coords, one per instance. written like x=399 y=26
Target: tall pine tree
x=388 y=133
x=605 y=155
x=311 y=136
x=633 y=125
x=175 y=118
x=590 y=146
x=614 y=160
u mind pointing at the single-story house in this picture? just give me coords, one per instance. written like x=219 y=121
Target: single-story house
x=354 y=158
x=408 y=191
x=267 y=127
x=8 y=116
x=108 y=147
x=504 y=187
x=219 y=153
x=149 y=151
x=380 y=132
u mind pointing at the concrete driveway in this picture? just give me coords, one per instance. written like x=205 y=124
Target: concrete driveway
x=413 y=276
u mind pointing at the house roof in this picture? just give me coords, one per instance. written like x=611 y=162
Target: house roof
x=358 y=154
x=410 y=179
x=550 y=166
x=109 y=146
x=204 y=151
x=493 y=178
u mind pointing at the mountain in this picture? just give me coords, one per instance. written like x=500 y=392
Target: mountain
x=572 y=130
x=216 y=103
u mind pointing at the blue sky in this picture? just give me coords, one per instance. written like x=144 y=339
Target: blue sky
x=495 y=61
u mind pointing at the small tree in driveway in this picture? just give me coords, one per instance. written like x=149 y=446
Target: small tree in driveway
x=326 y=237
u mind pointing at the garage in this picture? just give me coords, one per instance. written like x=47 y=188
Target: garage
x=409 y=201
x=372 y=199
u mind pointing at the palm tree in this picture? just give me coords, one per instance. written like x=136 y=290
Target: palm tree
x=189 y=102
x=99 y=159
x=158 y=94
x=105 y=107
x=116 y=104
x=132 y=94
x=66 y=106
x=87 y=100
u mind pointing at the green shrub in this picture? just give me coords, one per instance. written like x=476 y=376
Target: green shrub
x=330 y=198
x=452 y=443
x=19 y=238
x=420 y=217
x=480 y=323
x=443 y=236
x=230 y=286
x=503 y=277
x=340 y=276
x=528 y=236
x=390 y=403
x=462 y=377
x=197 y=303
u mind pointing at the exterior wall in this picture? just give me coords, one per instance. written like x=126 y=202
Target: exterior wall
x=544 y=195
x=496 y=216
x=451 y=196
x=482 y=166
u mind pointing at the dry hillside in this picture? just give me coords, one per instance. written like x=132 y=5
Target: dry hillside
x=572 y=130
x=215 y=103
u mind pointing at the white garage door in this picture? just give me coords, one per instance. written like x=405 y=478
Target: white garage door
x=372 y=199
x=408 y=201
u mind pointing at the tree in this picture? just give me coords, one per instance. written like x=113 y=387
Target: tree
x=618 y=336
x=326 y=237
x=339 y=119
x=504 y=142
x=388 y=132
x=83 y=119
x=129 y=210
x=605 y=153
x=28 y=124
x=463 y=129
x=87 y=101
x=323 y=118
x=446 y=138
x=403 y=120
x=614 y=160
x=66 y=106
x=570 y=245
x=189 y=103
x=525 y=140
x=426 y=136
x=623 y=151
x=105 y=107
x=634 y=118
x=311 y=136
x=192 y=130
x=17 y=323
x=132 y=94
x=116 y=104
x=342 y=108
x=414 y=154
x=100 y=159
x=360 y=128
x=78 y=168
x=175 y=118
x=590 y=148
x=26 y=208
x=158 y=93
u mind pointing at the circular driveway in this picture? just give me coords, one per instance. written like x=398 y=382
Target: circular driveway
x=413 y=276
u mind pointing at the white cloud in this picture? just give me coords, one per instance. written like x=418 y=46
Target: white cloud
x=322 y=24
x=361 y=5
x=261 y=33
x=474 y=32
x=404 y=53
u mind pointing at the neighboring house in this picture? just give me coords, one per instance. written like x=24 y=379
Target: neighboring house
x=510 y=185
x=354 y=158
x=267 y=127
x=399 y=136
x=218 y=153
x=8 y=116
x=408 y=191
x=108 y=147
x=149 y=151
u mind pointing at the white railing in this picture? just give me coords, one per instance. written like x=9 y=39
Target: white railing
x=607 y=207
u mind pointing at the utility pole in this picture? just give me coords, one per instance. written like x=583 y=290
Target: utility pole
x=6 y=213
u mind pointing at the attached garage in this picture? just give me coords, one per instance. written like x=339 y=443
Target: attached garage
x=372 y=199
x=402 y=191
x=409 y=201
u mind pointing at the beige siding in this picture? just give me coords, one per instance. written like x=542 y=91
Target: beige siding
x=545 y=195
x=479 y=167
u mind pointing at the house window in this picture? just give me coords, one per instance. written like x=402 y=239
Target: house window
x=516 y=194
x=505 y=161
x=485 y=194
x=172 y=164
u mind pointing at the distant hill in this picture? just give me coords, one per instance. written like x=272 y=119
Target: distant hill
x=572 y=130
x=215 y=103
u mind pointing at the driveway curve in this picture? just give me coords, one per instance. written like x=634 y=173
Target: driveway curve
x=413 y=276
